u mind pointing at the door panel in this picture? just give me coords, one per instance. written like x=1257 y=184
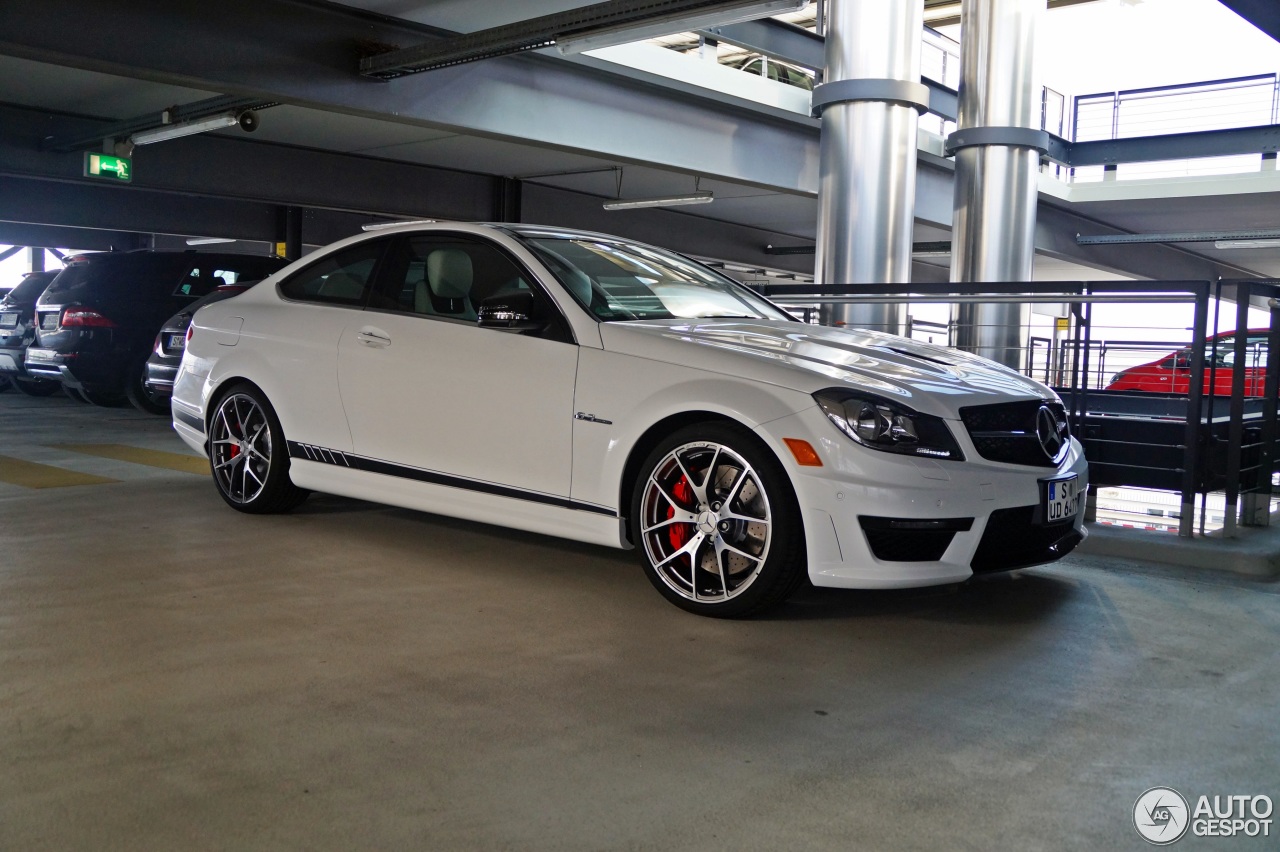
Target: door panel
x=448 y=396
x=423 y=385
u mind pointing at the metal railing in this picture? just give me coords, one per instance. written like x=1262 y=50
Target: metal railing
x=1226 y=104
x=1211 y=429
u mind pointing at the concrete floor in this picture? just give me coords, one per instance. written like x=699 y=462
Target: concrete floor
x=177 y=676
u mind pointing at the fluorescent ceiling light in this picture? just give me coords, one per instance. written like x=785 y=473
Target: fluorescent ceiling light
x=747 y=10
x=703 y=197
x=1246 y=244
x=208 y=241
x=191 y=128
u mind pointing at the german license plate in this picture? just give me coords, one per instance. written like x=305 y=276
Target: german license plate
x=1061 y=499
x=41 y=354
x=177 y=342
x=8 y=320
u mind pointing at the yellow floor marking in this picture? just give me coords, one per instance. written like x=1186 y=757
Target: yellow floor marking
x=137 y=455
x=32 y=475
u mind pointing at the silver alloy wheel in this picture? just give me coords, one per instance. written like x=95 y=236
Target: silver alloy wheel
x=240 y=447
x=705 y=522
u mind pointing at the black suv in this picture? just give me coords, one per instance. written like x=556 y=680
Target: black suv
x=18 y=331
x=96 y=323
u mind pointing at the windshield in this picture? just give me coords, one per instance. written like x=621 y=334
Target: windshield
x=624 y=281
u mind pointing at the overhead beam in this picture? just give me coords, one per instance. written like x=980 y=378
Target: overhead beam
x=614 y=18
x=775 y=39
x=1175 y=146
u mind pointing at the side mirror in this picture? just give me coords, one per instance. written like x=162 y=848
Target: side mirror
x=517 y=311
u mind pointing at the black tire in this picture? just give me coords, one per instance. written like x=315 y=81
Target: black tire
x=36 y=387
x=741 y=519
x=248 y=454
x=140 y=395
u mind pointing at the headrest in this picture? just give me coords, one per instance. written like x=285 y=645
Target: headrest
x=449 y=273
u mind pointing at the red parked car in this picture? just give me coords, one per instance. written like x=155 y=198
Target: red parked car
x=1172 y=373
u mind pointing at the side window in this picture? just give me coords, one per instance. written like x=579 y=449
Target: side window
x=447 y=277
x=338 y=279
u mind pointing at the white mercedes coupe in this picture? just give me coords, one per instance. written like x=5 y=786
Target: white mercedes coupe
x=590 y=387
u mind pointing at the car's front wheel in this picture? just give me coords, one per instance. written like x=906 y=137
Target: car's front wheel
x=716 y=523
x=248 y=455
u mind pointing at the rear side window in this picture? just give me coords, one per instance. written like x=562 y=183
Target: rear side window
x=342 y=278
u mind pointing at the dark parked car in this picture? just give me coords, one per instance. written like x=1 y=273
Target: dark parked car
x=97 y=321
x=18 y=331
x=171 y=342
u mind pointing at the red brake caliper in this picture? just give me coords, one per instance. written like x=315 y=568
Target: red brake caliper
x=679 y=534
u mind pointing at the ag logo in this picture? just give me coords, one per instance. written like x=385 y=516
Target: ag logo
x=1161 y=815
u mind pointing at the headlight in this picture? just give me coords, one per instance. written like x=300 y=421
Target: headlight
x=1115 y=378
x=889 y=426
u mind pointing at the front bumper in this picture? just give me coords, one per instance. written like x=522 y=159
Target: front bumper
x=974 y=516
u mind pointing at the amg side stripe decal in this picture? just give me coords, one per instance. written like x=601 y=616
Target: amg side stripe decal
x=311 y=452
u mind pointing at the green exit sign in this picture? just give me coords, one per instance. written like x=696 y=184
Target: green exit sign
x=111 y=168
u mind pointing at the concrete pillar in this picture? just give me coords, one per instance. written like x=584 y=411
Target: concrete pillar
x=997 y=148
x=870 y=106
x=35 y=254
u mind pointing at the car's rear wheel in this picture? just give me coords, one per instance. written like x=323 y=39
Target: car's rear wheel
x=716 y=523
x=248 y=455
x=140 y=395
x=36 y=387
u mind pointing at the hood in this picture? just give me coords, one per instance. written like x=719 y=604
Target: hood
x=931 y=379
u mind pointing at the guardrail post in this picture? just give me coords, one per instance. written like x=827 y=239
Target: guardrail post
x=1195 y=393
x=1261 y=516
x=1235 y=434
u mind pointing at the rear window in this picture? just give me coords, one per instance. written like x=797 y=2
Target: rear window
x=187 y=274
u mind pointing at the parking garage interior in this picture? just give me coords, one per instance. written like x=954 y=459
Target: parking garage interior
x=353 y=674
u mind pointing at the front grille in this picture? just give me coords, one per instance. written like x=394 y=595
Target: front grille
x=1013 y=540
x=49 y=321
x=1007 y=432
x=910 y=540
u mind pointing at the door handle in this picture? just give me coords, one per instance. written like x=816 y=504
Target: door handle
x=375 y=338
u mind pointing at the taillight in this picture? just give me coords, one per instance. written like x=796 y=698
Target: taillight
x=159 y=350
x=85 y=318
x=191 y=329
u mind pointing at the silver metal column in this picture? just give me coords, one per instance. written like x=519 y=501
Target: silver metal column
x=870 y=107
x=997 y=150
